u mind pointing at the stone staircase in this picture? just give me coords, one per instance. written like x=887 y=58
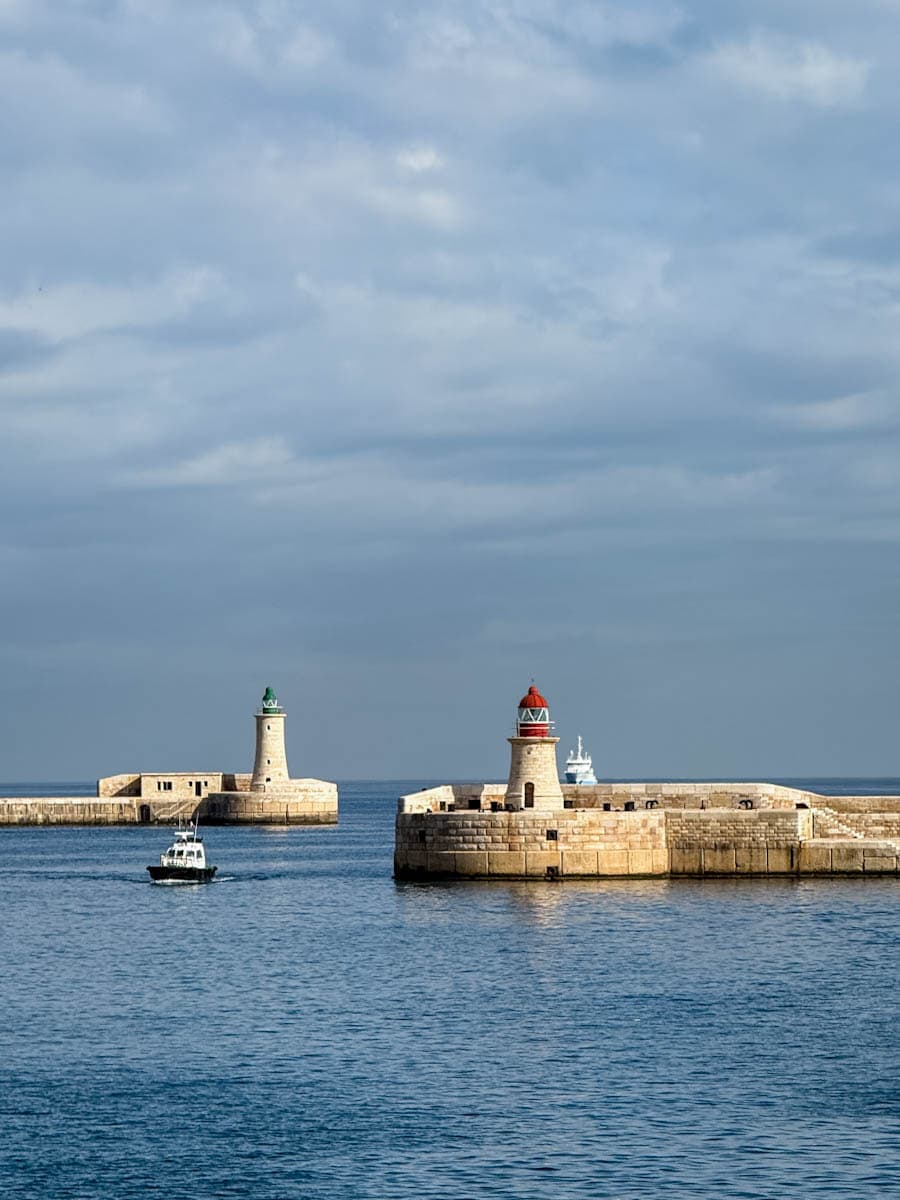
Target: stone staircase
x=175 y=811
x=828 y=824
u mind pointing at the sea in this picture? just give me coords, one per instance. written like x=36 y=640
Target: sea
x=306 y=1027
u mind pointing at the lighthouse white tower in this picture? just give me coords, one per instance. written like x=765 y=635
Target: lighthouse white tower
x=533 y=775
x=270 y=769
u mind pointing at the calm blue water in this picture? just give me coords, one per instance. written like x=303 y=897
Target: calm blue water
x=307 y=1028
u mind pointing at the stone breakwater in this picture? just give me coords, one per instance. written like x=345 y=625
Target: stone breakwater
x=306 y=802
x=646 y=829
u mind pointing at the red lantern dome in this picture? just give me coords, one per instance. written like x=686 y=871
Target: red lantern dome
x=534 y=715
x=533 y=699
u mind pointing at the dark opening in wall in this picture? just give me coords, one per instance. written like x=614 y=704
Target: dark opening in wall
x=144 y=814
x=529 y=795
x=629 y=806
x=552 y=835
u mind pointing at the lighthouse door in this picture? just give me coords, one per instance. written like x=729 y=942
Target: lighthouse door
x=529 y=795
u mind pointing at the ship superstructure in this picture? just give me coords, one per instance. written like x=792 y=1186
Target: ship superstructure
x=579 y=766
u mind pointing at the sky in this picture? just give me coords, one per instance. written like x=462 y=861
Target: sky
x=399 y=354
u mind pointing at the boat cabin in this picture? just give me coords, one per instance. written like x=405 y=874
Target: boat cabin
x=186 y=851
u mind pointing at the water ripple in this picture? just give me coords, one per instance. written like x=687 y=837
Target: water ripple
x=315 y=1031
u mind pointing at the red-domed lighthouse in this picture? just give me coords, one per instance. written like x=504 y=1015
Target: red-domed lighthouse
x=534 y=715
x=533 y=775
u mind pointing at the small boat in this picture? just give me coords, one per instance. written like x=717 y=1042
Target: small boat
x=579 y=766
x=184 y=861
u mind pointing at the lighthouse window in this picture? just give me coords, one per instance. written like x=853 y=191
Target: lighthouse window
x=268 y=727
x=529 y=795
x=268 y=762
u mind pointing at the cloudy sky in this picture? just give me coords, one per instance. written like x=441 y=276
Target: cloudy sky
x=395 y=354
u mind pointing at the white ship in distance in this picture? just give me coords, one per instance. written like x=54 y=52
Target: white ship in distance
x=579 y=767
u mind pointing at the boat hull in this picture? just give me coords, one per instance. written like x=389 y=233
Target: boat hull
x=181 y=874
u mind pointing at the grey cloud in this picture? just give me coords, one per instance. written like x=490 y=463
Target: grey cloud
x=447 y=345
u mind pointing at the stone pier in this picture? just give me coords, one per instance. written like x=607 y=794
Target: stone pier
x=645 y=829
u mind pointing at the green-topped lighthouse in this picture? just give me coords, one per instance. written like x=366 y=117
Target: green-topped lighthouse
x=270 y=769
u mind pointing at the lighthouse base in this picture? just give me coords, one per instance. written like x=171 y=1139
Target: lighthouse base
x=299 y=802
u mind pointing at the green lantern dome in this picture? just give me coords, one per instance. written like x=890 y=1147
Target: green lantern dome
x=270 y=702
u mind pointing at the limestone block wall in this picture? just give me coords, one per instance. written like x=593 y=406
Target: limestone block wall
x=684 y=795
x=297 y=802
x=183 y=784
x=119 y=785
x=67 y=810
x=863 y=824
x=523 y=843
x=270 y=761
x=430 y=800
x=179 y=785
x=735 y=841
x=448 y=796
x=861 y=804
x=312 y=802
x=533 y=770
x=618 y=795
x=451 y=830
x=867 y=856
x=236 y=783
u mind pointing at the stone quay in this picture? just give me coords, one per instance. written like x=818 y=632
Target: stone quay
x=533 y=827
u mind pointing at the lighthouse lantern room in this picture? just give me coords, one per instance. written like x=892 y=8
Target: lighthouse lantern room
x=534 y=715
